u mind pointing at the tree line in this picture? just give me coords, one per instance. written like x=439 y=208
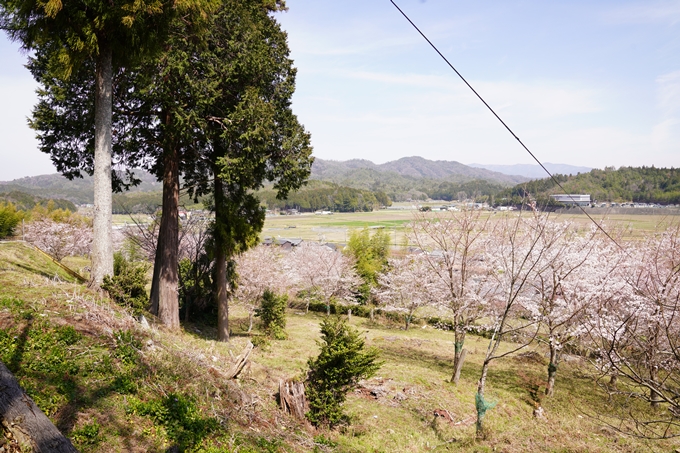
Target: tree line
x=328 y=197
x=636 y=184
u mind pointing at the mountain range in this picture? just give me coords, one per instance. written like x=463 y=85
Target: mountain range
x=406 y=178
x=407 y=167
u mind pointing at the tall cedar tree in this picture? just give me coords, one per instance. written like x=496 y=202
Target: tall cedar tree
x=251 y=134
x=108 y=36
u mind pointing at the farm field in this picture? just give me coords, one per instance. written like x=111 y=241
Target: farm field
x=338 y=226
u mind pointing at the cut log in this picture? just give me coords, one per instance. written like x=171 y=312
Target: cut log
x=27 y=423
x=292 y=398
x=241 y=361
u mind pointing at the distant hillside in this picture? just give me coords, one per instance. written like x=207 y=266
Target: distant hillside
x=412 y=168
x=637 y=184
x=26 y=201
x=534 y=171
x=78 y=191
x=414 y=178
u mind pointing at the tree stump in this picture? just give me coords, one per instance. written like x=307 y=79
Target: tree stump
x=292 y=398
x=27 y=423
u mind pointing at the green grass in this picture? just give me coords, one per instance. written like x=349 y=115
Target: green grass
x=111 y=385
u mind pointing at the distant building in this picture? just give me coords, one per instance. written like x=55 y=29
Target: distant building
x=572 y=199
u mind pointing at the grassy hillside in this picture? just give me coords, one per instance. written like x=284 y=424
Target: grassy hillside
x=112 y=385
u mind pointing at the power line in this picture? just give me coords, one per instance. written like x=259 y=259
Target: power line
x=503 y=123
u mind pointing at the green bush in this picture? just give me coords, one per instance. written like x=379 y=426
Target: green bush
x=127 y=287
x=342 y=362
x=9 y=219
x=272 y=314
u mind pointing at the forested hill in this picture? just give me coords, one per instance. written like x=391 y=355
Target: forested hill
x=637 y=184
x=78 y=190
x=359 y=172
x=413 y=178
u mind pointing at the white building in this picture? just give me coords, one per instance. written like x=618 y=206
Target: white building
x=573 y=199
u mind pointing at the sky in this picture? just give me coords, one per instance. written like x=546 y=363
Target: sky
x=580 y=82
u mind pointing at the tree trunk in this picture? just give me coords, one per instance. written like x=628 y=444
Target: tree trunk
x=250 y=320
x=552 y=370
x=27 y=423
x=102 y=243
x=222 y=297
x=164 y=290
x=458 y=355
x=613 y=379
x=479 y=400
x=458 y=366
x=654 y=396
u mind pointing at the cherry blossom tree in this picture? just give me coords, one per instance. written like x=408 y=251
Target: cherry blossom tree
x=453 y=246
x=514 y=254
x=73 y=237
x=327 y=273
x=576 y=267
x=404 y=287
x=637 y=329
x=259 y=269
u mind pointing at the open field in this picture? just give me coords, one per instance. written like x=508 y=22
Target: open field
x=338 y=226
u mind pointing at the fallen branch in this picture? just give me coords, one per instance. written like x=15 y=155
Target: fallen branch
x=241 y=362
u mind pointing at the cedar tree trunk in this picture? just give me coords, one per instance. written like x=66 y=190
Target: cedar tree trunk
x=102 y=244
x=221 y=266
x=164 y=290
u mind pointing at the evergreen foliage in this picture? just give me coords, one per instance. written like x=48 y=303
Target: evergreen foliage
x=272 y=313
x=195 y=285
x=342 y=363
x=127 y=287
x=9 y=219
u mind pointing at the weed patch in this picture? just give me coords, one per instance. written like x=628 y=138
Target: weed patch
x=179 y=416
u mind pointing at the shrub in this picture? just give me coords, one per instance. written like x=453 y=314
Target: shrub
x=127 y=287
x=272 y=313
x=9 y=219
x=342 y=362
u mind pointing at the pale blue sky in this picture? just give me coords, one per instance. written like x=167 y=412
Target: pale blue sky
x=589 y=83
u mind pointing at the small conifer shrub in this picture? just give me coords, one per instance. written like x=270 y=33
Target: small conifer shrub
x=272 y=314
x=342 y=363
